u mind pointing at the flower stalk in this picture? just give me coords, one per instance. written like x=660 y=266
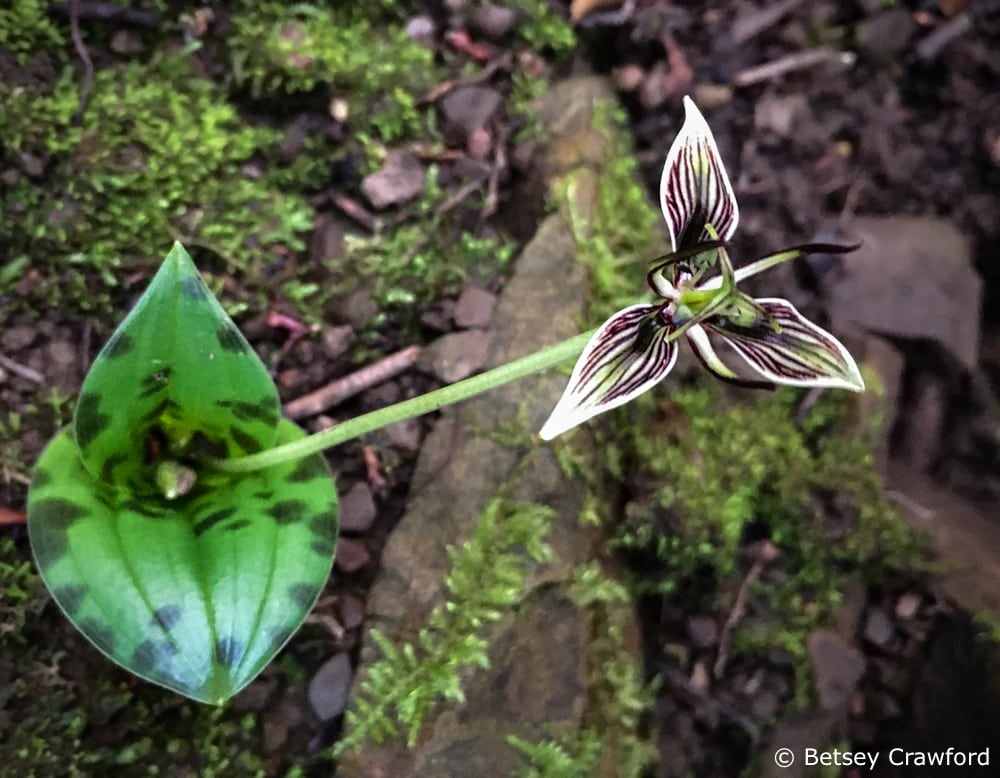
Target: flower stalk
x=417 y=406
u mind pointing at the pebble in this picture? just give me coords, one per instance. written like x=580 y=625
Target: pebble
x=878 y=628
x=400 y=179
x=328 y=688
x=337 y=340
x=351 y=611
x=357 y=509
x=352 y=556
x=907 y=606
x=469 y=107
x=457 y=355
x=474 y=308
x=837 y=667
x=492 y=20
x=405 y=434
x=702 y=631
x=420 y=29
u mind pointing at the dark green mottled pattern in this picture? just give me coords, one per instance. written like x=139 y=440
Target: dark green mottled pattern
x=122 y=343
x=197 y=594
x=231 y=339
x=176 y=365
x=90 y=422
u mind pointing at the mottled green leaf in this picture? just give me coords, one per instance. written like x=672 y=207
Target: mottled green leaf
x=198 y=593
x=176 y=377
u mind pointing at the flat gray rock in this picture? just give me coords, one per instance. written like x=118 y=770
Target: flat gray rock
x=912 y=277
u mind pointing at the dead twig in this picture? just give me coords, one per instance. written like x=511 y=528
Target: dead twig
x=799 y=60
x=753 y=24
x=930 y=46
x=355 y=211
x=503 y=62
x=765 y=553
x=88 y=65
x=27 y=373
x=499 y=165
x=339 y=390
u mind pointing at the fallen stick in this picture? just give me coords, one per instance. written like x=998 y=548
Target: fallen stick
x=340 y=389
x=800 y=60
x=28 y=373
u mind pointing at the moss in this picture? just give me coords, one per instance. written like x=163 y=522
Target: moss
x=542 y=29
x=160 y=155
x=27 y=27
x=486 y=580
x=560 y=757
x=716 y=477
x=622 y=235
x=361 y=56
x=421 y=260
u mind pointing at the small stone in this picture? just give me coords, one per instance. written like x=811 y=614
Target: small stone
x=351 y=611
x=400 y=179
x=765 y=704
x=469 y=107
x=61 y=364
x=480 y=143
x=629 y=77
x=700 y=678
x=712 y=96
x=438 y=316
x=405 y=434
x=702 y=631
x=359 y=308
x=654 y=90
x=908 y=605
x=328 y=688
x=327 y=241
x=879 y=629
x=837 y=668
x=457 y=355
x=779 y=114
x=16 y=338
x=420 y=29
x=352 y=556
x=886 y=34
x=493 y=21
x=33 y=167
x=474 y=308
x=357 y=509
x=337 y=340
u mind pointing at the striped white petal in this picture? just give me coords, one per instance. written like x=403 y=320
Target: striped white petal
x=627 y=355
x=694 y=187
x=796 y=353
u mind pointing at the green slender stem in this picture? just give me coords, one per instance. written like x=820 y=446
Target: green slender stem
x=417 y=406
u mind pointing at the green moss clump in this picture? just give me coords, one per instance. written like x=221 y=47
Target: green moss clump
x=361 y=55
x=420 y=260
x=27 y=27
x=487 y=578
x=623 y=234
x=717 y=477
x=159 y=155
x=543 y=30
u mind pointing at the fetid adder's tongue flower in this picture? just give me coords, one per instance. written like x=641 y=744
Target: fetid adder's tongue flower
x=637 y=347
